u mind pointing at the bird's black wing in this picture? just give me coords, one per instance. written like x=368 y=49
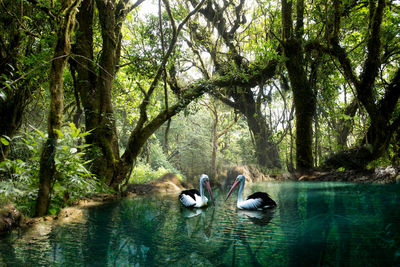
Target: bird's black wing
x=187 y=197
x=266 y=200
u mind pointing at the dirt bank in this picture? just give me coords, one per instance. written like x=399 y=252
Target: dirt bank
x=252 y=174
x=381 y=175
x=11 y=218
x=168 y=183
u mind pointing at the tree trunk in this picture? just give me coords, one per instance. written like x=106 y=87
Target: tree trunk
x=267 y=152
x=289 y=162
x=344 y=126
x=316 y=142
x=304 y=97
x=385 y=121
x=61 y=53
x=95 y=87
x=216 y=135
x=105 y=133
x=383 y=125
x=304 y=102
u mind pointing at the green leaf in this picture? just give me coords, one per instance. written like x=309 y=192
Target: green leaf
x=5 y=140
x=39 y=132
x=2 y=164
x=53 y=211
x=28 y=18
x=86 y=133
x=59 y=133
x=76 y=132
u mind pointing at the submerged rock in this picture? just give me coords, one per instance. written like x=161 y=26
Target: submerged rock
x=71 y=214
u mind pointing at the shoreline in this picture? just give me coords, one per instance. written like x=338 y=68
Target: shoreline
x=381 y=175
x=12 y=219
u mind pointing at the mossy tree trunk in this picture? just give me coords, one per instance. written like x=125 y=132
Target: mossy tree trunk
x=94 y=84
x=61 y=53
x=344 y=125
x=303 y=94
x=267 y=151
x=104 y=134
x=242 y=99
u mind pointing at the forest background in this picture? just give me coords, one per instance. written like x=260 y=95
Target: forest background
x=96 y=94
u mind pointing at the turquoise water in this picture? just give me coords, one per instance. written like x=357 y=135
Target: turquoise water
x=315 y=224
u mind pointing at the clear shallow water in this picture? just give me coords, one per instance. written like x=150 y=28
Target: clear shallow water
x=315 y=224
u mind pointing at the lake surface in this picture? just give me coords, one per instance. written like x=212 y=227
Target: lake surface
x=315 y=224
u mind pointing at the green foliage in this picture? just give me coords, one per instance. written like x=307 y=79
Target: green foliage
x=22 y=185
x=158 y=158
x=5 y=140
x=144 y=173
x=190 y=142
x=157 y=165
x=241 y=149
x=380 y=162
x=73 y=180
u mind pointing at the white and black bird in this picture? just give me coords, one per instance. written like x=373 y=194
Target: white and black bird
x=192 y=198
x=256 y=201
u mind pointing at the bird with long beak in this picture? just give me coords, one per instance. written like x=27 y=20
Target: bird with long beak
x=192 y=198
x=256 y=201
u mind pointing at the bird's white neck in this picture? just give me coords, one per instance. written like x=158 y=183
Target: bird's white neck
x=202 y=192
x=240 y=192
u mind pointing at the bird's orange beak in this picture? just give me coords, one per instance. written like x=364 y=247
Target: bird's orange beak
x=210 y=191
x=233 y=187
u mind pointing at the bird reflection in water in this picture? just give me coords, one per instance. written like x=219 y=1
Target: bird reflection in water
x=258 y=217
x=190 y=213
x=199 y=222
